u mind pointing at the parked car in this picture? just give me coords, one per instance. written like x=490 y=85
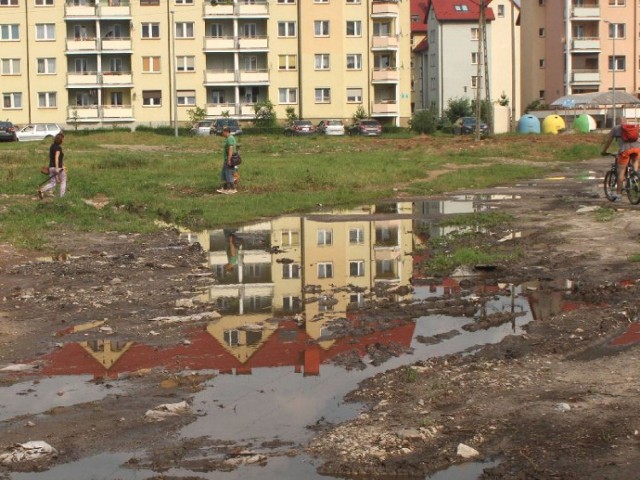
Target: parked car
x=220 y=123
x=202 y=128
x=38 y=131
x=7 y=132
x=330 y=127
x=300 y=127
x=467 y=125
x=366 y=127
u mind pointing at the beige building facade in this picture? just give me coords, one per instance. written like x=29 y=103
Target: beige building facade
x=129 y=62
x=578 y=46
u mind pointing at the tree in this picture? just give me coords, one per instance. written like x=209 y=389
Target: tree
x=503 y=101
x=423 y=121
x=458 y=107
x=196 y=114
x=360 y=113
x=291 y=114
x=265 y=114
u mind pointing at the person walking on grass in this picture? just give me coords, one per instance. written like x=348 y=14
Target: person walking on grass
x=230 y=147
x=57 y=169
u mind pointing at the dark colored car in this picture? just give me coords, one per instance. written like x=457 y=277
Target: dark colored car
x=220 y=123
x=368 y=127
x=467 y=125
x=300 y=127
x=7 y=132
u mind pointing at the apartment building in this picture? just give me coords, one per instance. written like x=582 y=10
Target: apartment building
x=419 y=44
x=128 y=62
x=578 y=46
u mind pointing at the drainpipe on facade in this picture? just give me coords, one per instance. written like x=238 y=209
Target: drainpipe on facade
x=26 y=19
x=169 y=37
x=567 y=46
x=299 y=33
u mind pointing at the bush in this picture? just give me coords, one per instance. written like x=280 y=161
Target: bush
x=170 y=131
x=423 y=121
x=92 y=131
x=262 y=131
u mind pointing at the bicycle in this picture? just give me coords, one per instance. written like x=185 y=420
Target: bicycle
x=631 y=183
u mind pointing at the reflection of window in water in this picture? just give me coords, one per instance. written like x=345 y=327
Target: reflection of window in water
x=325 y=237
x=325 y=270
x=291 y=270
x=356 y=298
x=254 y=338
x=386 y=236
x=290 y=238
x=291 y=303
x=256 y=303
x=356 y=236
x=257 y=271
x=98 y=345
x=385 y=268
x=356 y=268
x=287 y=335
x=232 y=338
x=325 y=307
x=387 y=208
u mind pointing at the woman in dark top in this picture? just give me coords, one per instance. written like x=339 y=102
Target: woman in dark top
x=57 y=170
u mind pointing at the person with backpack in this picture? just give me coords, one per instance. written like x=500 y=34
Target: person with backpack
x=626 y=135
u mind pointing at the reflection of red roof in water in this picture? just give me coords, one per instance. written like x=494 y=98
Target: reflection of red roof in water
x=632 y=335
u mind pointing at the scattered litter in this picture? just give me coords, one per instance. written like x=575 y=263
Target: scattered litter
x=246 y=458
x=20 y=367
x=188 y=318
x=585 y=209
x=563 y=407
x=465 y=451
x=25 y=452
x=165 y=410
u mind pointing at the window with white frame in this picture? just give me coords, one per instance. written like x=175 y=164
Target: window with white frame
x=354 y=95
x=353 y=2
x=354 y=61
x=150 y=30
x=46 y=66
x=474 y=33
x=216 y=30
x=151 y=64
x=45 y=31
x=323 y=95
x=47 y=100
x=184 y=29
x=186 y=63
x=12 y=100
x=617 y=63
x=10 y=32
x=115 y=64
x=474 y=82
x=356 y=236
x=322 y=61
x=474 y=58
x=617 y=30
x=291 y=2
x=325 y=270
x=501 y=11
x=149 y=3
x=8 y=3
x=117 y=99
x=290 y=238
x=320 y=1
x=291 y=303
x=287 y=62
x=461 y=8
x=616 y=3
x=288 y=95
x=325 y=237
x=217 y=97
x=381 y=29
x=184 y=2
x=81 y=65
x=286 y=29
x=356 y=268
x=10 y=66
x=151 y=98
x=321 y=28
x=44 y=3
x=354 y=28
x=290 y=270
x=186 y=98
x=249 y=30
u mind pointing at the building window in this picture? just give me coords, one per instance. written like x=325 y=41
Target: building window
x=325 y=237
x=151 y=64
x=474 y=82
x=116 y=99
x=150 y=30
x=474 y=33
x=321 y=28
x=353 y=2
x=10 y=32
x=320 y=1
x=149 y=3
x=322 y=61
x=290 y=2
x=47 y=100
x=12 y=100
x=541 y=32
x=541 y=94
x=287 y=62
x=461 y=8
x=354 y=28
x=617 y=30
x=617 y=63
x=354 y=61
x=184 y=2
x=249 y=30
x=10 y=66
x=381 y=29
x=291 y=303
x=286 y=29
x=45 y=31
x=46 y=65
x=186 y=63
x=356 y=268
x=42 y=3
x=186 y=98
x=500 y=11
x=289 y=238
x=356 y=236
x=216 y=30
x=354 y=95
x=9 y=3
x=325 y=270
x=288 y=95
x=151 y=98
x=616 y=3
x=291 y=270
x=184 y=29
x=541 y=63
x=474 y=59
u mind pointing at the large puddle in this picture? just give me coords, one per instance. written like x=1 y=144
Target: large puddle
x=309 y=306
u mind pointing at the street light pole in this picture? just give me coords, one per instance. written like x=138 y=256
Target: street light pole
x=172 y=63
x=613 y=75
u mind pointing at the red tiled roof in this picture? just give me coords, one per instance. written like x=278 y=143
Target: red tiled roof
x=445 y=10
x=419 y=9
x=423 y=46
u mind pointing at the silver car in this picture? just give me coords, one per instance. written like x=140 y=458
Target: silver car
x=331 y=127
x=38 y=131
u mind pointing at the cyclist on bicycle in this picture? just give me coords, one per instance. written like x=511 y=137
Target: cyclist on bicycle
x=626 y=150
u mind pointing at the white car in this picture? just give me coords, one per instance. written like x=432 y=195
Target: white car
x=331 y=127
x=38 y=131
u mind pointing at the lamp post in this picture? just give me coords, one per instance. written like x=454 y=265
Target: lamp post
x=173 y=67
x=613 y=33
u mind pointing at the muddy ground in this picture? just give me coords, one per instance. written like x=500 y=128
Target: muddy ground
x=560 y=401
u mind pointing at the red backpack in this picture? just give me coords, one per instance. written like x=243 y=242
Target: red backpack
x=629 y=132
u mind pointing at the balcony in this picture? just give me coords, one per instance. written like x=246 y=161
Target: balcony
x=260 y=8
x=385 y=75
x=219 y=77
x=384 y=8
x=117 y=112
x=117 y=79
x=585 y=77
x=220 y=109
x=254 y=76
x=590 y=44
x=82 y=79
x=218 y=10
x=116 y=44
x=384 y=43
x=114 y=8
x=586 y=11
x=219 y=44
x=82 y=45
x=78 y=113
x=254 y=43
x=385 y=107
x=82 y=10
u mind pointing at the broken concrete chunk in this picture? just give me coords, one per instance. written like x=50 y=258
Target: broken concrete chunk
x=465 y=451
x=29 y=451
x=161 y=412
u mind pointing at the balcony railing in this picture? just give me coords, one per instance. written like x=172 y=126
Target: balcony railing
x=259 y=42
x=384 y=8
x=80 y=9
x=586 y=43
x=116 y=43
x=585 y=76
x=389 y=42
x=219 y=43
x=117 y=78
x=83 y=78
x=385 y=106
x=87 y=44
x=219 y=109
x=390 y=74
x=254 y=76
x=117 y=112
x=585 y=10
x=97 y=112
x=220 y=77
x=114 y=8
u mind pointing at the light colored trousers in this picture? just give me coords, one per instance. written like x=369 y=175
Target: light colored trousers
x=53 y=181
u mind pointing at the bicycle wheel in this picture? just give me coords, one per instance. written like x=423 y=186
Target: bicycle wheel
x=610 y=182
x=633 y=192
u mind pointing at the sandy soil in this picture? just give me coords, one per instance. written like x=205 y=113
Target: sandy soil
x=560 y=401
